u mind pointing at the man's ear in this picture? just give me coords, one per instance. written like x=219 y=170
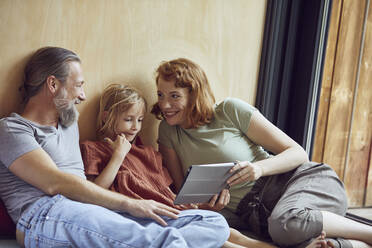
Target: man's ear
x=105 y=116
x=52 y=84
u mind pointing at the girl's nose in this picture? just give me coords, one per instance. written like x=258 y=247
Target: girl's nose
x=135 y=125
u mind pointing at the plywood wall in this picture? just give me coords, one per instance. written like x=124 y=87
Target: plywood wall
x=125 y=40
x=343 y=136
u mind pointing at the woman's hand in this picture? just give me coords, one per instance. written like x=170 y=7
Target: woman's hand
x=120 y=146
x=245 y=172
x=188 y=206
x=217 y=202
x=151 y=209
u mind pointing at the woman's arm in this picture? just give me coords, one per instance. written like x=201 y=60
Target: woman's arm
x=287 y=153
x=121 y=147
x=173 y=164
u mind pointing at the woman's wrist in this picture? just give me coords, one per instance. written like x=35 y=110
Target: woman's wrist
x=262 y=171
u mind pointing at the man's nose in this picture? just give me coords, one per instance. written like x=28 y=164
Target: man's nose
x=82 y=96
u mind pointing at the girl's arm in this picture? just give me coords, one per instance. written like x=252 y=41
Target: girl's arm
x=121 y=147
x=288 y=154
x=173 y=164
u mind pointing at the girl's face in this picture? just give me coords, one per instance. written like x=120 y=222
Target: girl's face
x=129 y=122
x=173 y=102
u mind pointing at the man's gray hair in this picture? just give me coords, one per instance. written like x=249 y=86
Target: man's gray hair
x=43 y=63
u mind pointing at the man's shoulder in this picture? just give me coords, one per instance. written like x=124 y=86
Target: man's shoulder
x=13 y=121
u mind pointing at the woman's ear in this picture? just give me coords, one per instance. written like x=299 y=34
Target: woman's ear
x=104 y=116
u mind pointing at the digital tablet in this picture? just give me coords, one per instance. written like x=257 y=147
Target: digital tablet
x=202 y=182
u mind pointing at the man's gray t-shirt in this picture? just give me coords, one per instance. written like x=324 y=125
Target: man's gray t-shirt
x=19 y=136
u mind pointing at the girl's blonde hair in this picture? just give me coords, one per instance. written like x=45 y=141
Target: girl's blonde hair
x=115 y=99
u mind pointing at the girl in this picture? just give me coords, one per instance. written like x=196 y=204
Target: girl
x=120 y=162
x=283 y=197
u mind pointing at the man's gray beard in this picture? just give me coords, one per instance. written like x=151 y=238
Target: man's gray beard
x=66 y=108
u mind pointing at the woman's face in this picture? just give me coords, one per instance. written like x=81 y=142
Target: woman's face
x=173 y=102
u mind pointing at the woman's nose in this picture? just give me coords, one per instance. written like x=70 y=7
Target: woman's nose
x=164 y=104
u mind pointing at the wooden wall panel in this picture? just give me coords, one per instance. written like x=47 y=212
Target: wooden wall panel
x=346 y=65
x=360 y=138
x=368 y=201
x=359 y=170
x=343 y=136
x=125 y=40
x=325 y=94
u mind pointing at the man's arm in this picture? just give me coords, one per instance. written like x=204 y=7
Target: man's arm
x=39 y=170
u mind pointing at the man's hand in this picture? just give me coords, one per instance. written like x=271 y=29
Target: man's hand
x=151 y=209
x=217 y=202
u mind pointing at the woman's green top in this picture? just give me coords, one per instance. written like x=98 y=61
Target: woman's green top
x=222 y=140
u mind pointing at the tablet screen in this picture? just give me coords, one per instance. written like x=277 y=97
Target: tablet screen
x=202 y=182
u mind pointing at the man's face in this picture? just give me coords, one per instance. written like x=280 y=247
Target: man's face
x=70 y=94
x=74 y=83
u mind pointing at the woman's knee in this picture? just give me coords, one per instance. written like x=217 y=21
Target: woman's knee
x=294 y=226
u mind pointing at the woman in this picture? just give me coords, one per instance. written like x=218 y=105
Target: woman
x=283 y=196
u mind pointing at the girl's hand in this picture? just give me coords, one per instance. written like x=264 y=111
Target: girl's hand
x=246 y=171
x=120 y=146
x=217 y=202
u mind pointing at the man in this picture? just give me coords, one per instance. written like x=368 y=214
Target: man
x=42 y=180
